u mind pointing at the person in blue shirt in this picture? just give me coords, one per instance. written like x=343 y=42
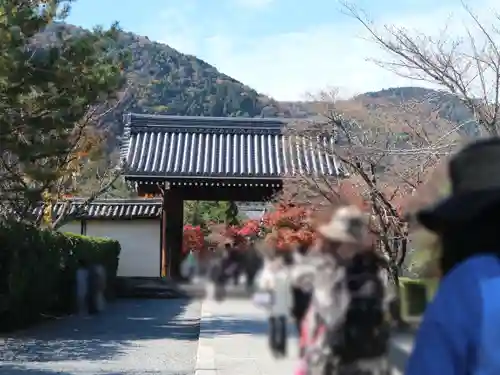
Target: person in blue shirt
x=460 y=330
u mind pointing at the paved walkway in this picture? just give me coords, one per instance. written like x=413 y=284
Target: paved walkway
x=155 y=337
x=233 y=342
x=131 y=337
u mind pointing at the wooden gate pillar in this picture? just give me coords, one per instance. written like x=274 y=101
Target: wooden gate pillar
x=172 y=222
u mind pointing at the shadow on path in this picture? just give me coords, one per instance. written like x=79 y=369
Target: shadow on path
x=101 y=337
x=21 y=370
x=231 y=325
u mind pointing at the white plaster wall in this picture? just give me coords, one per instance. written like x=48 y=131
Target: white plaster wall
x=140 y=243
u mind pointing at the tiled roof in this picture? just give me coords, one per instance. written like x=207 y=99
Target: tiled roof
x=112 y=209
x=214 y=147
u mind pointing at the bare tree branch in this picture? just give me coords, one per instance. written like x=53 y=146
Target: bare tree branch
x=468 y=68
x=387 y=150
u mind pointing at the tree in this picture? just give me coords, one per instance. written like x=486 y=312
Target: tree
x=288 y=222
x=250 y=228
x=51 y=96
x=204 y=212
x=193 y=213
x=193 y=238
x=466 y=66
x=232 y=214
x=99 y=169
x=384 y=153
x=221 y=234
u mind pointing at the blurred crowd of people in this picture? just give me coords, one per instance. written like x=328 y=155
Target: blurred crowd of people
x=336 y=293
x=222 y=266
x=317 y=287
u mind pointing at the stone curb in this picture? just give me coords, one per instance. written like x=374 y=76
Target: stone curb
x=205 y=356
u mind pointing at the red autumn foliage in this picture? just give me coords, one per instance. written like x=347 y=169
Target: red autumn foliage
x=289 y=224
x=192 y=238
x=234 y=233
x=222 y=234
x=250 y=228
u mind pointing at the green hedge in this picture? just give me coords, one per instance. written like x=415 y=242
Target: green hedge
x=37 y=270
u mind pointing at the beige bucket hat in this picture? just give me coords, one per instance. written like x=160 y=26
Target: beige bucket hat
x=346 y=225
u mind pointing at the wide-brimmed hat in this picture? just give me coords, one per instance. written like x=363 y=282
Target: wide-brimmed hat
x=474 y=174
x=346 y=225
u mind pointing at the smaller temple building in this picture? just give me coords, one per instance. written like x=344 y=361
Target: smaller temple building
x=135 y=223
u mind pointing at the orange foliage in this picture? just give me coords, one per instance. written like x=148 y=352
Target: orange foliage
x=250 y=228
x=289 y=225
x=192 y=239
x=222 y=234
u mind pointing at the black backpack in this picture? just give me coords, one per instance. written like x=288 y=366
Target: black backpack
x=364 y=333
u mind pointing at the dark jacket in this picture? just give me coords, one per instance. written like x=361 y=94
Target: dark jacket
x=216 y=270
x=301 y=301
x=251 y=261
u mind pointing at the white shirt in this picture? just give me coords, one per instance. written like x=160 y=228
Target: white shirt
x=276 y=277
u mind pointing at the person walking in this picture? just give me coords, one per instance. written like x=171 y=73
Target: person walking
x=236 y=264
x=252 y=263
x=275 y=280
x=229 y=262
x=460 y=331
x=301 y=297
x=345 y=331
x=216 y=275
x=189 y=266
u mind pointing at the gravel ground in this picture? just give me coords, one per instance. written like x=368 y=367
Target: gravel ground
x=130 y=337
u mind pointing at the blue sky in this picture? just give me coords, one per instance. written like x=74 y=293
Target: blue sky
x=282 y=48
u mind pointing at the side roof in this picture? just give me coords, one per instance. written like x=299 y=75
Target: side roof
x=110 y=209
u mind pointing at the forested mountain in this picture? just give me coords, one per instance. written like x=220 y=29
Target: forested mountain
x=447 y=106
x=163 y=80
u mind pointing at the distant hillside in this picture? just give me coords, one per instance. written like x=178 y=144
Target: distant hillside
x=447 y=106
x=165 y=81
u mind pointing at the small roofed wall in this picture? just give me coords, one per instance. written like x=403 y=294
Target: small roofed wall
x=72 y=227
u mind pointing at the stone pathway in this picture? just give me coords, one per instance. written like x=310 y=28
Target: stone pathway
x=159 y=337
x=131 y=337
x=402 y=345
x=233 y=341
